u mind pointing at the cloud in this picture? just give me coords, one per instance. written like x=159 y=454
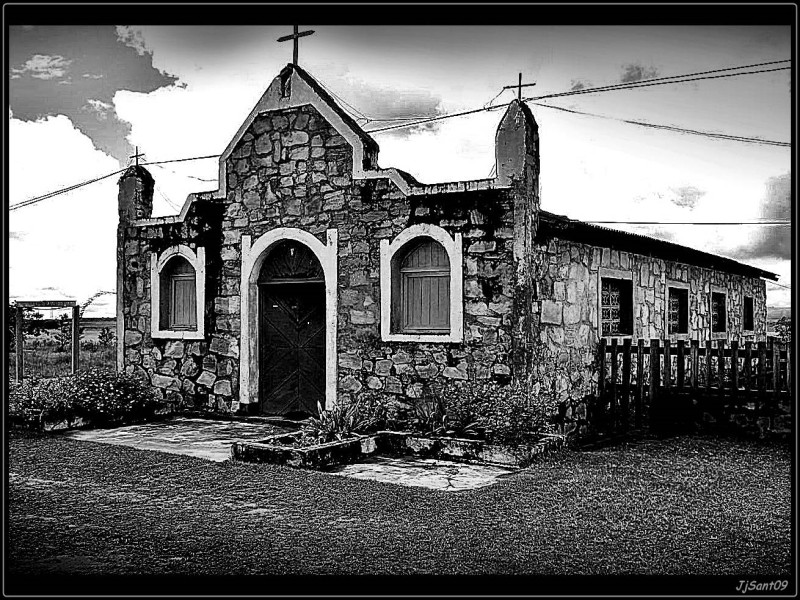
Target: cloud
x=687 y=196
x=635 y=72
x=578 y=84
x=65 y=245
x=43 y=66
x=43 y=86
x=132 y=37
x=772 y=241
x=99 y=107
x=391 y=106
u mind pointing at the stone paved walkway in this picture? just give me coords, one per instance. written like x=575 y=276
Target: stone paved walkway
x=201 y=438
x=434 y=474
x=211 y=440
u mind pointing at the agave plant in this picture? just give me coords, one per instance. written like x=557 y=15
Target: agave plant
x=338 y=423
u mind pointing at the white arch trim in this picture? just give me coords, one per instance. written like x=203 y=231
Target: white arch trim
x=157 y=264
x=253 y=256
x=454 y=253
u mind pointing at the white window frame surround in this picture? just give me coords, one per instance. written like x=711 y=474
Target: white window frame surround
x=718 y=335
x=253 y=255
x=453 y=247
x=681 y=285
x=157 y=264
x=608 y=273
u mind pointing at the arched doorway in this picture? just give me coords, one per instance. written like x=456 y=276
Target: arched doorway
x=291 y=292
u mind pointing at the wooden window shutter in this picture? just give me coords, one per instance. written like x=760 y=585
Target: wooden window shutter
x=178 y=295
x=424 y=289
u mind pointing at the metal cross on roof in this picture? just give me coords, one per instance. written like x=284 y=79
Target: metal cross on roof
x=519 y=87
x=295 y=37
x=137 y=155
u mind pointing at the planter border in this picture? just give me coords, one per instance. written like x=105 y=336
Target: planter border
x=392 y=443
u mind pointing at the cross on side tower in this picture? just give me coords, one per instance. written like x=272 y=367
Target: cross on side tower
x=295 y=37
x=518 y=87
x=137 y=155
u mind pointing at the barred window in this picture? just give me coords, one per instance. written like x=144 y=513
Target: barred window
x=719 y=315
x=678 y=310
x=616 y=306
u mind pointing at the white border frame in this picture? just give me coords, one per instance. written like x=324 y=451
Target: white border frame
x=453 y=247
x=253 y=256
x=157 y=263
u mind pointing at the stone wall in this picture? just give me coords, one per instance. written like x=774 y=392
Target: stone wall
x=174 y=367
x=567 y=319
x=530 y=306
x=293 y=169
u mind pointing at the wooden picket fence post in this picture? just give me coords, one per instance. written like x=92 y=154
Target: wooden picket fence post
x=730 y=376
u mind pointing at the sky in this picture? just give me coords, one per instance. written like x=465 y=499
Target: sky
x=82 y=98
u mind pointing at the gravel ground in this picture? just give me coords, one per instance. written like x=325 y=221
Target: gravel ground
x=678 y=506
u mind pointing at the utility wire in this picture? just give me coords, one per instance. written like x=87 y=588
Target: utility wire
x=652 y=82
x=640 y=83
x=622 y=86
x=781 y=222
x=62 y=191
x=786 y=287
x=83 y=183
x=186 y=175
x=711 y=134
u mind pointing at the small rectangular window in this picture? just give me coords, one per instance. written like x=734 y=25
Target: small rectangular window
x=616 y=306
x=719 y=314
x=748 y=314
x=183 y=311
x=678 y=310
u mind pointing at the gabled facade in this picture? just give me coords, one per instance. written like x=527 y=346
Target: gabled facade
x=312 y=275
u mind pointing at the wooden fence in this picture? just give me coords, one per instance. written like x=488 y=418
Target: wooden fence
x=663 y=382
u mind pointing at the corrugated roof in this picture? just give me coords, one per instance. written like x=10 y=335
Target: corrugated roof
x=565 y=228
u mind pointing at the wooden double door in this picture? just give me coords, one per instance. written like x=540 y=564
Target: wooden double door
x=291 y=332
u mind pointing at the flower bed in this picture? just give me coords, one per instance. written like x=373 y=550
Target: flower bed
x=286 y=449
x=96 y=397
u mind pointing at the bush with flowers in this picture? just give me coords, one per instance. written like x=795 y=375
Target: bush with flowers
x=99 y=396
x=505 y=414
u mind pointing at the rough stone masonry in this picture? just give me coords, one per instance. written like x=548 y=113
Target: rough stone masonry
x=530 y=279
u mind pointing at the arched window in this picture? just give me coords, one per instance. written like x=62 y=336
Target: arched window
x=177 y=288
x=422 y=277
x=178 y=295
x=421 y=286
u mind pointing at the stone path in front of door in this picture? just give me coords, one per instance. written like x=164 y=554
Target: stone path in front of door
x=211 y=439
x=202 y=438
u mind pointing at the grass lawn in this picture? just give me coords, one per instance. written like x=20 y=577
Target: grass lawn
x=686 y=505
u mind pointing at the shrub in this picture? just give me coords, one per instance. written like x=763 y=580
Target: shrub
x=100 y=396
x=90 y=345
x=507 y=414
x=343 y=421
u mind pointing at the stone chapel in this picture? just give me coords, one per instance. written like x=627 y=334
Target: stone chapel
x=314 y=275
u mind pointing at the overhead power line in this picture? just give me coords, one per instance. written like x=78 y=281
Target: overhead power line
x=652 y=82
x=96 y=179
x=779 y=222
x=710 y=134
x=786 y=287
x=608 y=88
x=641 y=83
